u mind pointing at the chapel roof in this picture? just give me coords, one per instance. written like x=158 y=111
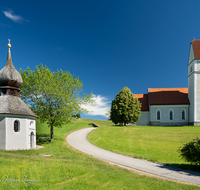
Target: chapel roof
x=9 y=76
x=163 y=96
x=196 y=48
x=15 y=106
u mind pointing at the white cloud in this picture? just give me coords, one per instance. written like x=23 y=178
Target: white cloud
x=101 y=108
x=10 y=14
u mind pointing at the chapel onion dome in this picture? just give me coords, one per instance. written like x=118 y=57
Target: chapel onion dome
x=9 y=76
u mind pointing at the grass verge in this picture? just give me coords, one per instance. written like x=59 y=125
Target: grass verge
x=67 y=168
x=157 y=144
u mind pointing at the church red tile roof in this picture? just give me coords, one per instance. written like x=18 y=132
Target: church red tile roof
x=143 y=98
x=168 y=96
x=163 y=96
x=196 y=48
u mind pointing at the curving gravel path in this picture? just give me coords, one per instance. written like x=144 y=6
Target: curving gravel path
x=78 y=140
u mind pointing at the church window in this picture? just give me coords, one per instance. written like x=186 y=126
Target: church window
x=190 y=69
x=183 y=114
x=158 y=115
x=16 y=126
x=171 y=115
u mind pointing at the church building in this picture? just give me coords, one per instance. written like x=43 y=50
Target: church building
x=174 y=106
x=17 y=121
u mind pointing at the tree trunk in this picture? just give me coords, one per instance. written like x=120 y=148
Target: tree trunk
x=51 y=131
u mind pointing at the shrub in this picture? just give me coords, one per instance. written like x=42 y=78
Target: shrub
x=78 y=115
x=191 y=151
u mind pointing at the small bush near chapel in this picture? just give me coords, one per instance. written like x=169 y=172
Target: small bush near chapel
x=191 y=151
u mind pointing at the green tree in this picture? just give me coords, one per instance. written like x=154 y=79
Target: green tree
x=125 y=108
x=53 y=96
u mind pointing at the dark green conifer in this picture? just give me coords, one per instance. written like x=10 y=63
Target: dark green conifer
x=125 y=108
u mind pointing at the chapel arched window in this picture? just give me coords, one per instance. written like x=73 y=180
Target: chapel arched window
x=16 y=126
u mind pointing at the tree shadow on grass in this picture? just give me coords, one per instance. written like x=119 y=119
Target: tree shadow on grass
x=188 y=169
x=191 y=167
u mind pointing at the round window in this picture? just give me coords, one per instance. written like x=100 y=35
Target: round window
x=16 y=126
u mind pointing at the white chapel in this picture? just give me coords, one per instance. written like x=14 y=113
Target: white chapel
x=17 y=121
x=174 y=106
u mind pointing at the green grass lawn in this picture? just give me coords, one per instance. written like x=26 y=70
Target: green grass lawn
x=67 y=168
x=157 y=144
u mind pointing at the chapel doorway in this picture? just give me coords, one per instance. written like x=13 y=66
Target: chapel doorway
x=32 y=140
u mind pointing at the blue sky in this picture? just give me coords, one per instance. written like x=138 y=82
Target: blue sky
x=109 y=44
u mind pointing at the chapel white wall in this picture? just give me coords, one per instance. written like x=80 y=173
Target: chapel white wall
x=17 y=140
x=2 y=133
x=32 y=128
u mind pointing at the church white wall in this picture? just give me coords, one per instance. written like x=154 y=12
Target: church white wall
x=191 y=54
x=194 y=91
x=2 y=133
x=144 y=119
x=191 y=97
x=165 y=112
x=197 y=94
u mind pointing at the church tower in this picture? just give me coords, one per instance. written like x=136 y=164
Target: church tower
x=17 y=121
x=194 y=82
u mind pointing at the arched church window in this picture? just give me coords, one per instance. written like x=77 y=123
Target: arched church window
x=158 y=115
x=16 y=126
x=171 y=115
x=183 y=114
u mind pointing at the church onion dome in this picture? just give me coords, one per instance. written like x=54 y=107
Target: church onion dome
x=9 y=76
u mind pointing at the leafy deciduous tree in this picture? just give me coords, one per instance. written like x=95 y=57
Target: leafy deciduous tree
x=125 y=108
x=53 y=96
